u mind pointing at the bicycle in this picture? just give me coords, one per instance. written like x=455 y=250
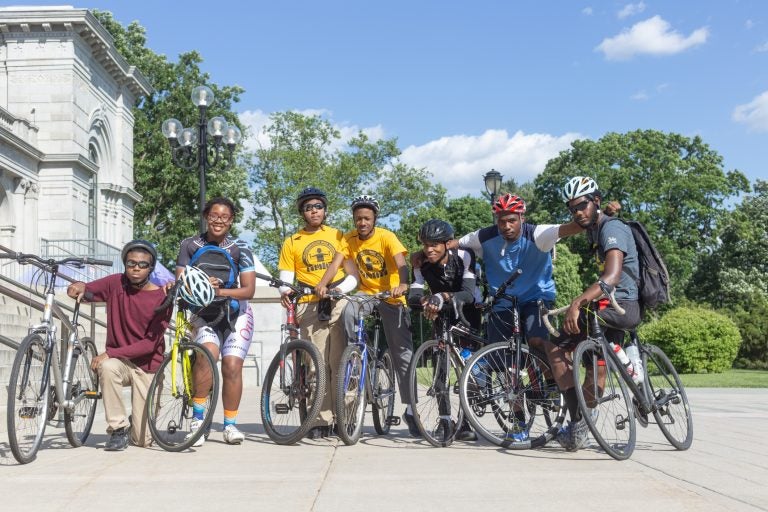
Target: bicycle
x=295 y=382
x=32 y=399
x=366 y=376
x=513 y=381
x=603 y=388
x=187 y=368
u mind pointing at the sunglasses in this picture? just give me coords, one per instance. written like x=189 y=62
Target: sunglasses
x=217 y=218
x=579 y=207
x=313 y=206
x=143 y=265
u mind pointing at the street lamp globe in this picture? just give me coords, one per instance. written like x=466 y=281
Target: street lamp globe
x=172 y=129
x=492 y=180
x=202 y=96
x=233 y=136
x=217 y=126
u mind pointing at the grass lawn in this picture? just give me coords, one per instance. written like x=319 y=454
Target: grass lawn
x=727 y=379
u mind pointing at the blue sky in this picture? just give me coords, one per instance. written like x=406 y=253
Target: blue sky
x=470 y=86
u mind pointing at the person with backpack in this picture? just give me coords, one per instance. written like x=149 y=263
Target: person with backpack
x=614 y=248
x=230 y=266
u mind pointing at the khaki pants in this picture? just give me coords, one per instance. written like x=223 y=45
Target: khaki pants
x=114 y=375
x=330 y=340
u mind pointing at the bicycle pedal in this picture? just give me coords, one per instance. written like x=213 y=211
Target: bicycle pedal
x=392 y=420
x=281 y=408
x=27 y=413
x=92 y=395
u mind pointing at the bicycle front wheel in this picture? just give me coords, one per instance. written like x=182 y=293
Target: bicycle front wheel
x=434 y=379
x=664 y=389
x=83 y=392
x=516 y=408
x=171 y=397
x=350 y=395
x=383 y=395
x=604 y=400
x=293 y=392
x=28 y=398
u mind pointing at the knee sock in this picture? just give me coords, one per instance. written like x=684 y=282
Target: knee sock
x=198 y=407
x=572 y=403
x=230 y=417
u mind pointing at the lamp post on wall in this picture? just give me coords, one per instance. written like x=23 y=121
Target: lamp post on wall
x=492 y=180
x=193 y=148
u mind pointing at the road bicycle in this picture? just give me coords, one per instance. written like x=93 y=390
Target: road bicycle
x=188 y=376
x=295 y=382
x=366 y=375
x=507 y=390
x=610 y=400
x=33 y=400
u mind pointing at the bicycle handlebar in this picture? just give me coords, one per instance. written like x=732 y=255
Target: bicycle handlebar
x=358 y=297
x=608 y=291
x=277 y=283
x=24 y=258
x=503 y=288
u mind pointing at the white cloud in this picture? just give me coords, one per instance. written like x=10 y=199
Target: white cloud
x=459 y=162
x=640 y=95
x=653 y=36
x=631 y=10
x=587 y=11
x=762 y=48
x=661 y=87
x=749 y=24
x=754 y=114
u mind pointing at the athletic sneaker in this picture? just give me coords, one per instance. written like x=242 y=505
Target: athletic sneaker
x=232 y=435
x=518 y=434
x=445 y=429
x=574 y=435
x=413 y=429
x=194 y=426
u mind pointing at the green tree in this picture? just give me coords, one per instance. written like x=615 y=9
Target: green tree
x=169 y=209
x=673 y=184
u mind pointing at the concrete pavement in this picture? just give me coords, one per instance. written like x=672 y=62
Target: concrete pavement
x=725 y=469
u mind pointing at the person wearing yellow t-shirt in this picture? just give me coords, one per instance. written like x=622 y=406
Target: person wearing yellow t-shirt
x=380 y=260
x=304 y=257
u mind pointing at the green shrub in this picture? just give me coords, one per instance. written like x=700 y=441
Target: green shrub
x=697 y=340
x=752 y=318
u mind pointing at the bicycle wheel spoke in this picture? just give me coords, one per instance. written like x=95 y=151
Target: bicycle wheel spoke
x=83 y=391
x=383 y=393
x=665 y=390
x=350 y=395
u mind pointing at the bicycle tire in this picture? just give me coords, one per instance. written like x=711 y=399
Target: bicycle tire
x=350 y=395
x=288 y=413
x=169 y=416
x=503 y=413
x=383 y=397
x=430 y=398
x=27 y=404
x=83 y=391
x=609 y=414
x=663 y=387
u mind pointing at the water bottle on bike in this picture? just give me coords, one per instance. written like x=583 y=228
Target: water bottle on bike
x=628 y=367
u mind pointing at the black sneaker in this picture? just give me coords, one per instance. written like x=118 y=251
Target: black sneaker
x=318 y=432
x=465 y=433
x=445 y=429
x=413 y=429
x=118 y=440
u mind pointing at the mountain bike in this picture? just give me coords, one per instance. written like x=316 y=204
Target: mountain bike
x=507 y=390
x=33 y=399
x=603 y=388
x=295 y=382
x=188 y=376
x=366 y=376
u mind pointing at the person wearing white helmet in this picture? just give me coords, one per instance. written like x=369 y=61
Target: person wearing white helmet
x=135 y=342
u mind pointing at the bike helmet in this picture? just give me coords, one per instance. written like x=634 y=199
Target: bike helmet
x=142 y=245
x=579 y=186
x=435 y=230
x=195 y=287
x=509 y=203
x=365 y=201
x=310 y=193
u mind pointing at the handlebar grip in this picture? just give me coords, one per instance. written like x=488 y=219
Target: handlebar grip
x=609 y=291
x=168 y=298
x=94 y=261
x=505 y=284
x=545 y=313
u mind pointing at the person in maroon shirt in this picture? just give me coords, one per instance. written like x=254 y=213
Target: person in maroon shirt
x=135 y=341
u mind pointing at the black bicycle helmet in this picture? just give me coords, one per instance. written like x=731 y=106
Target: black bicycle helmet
x=311 y=193
x=435 y=230
x=139 y=244
x=365 y=201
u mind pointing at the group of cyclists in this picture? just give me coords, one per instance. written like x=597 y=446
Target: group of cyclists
x=371 y=259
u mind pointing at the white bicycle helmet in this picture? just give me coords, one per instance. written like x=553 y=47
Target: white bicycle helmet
x=195 y=288
x=579 y=186
x=366 y=201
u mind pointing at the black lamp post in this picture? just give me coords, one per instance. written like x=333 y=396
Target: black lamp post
x=492 y=180
x=190 y=146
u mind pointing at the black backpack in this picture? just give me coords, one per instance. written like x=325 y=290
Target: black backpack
x=217 y=262
x=653 y=282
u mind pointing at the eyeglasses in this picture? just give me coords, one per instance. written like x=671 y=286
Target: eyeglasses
x=579 y=207
x=219 y=218
x=313 y=206
x=143 y=265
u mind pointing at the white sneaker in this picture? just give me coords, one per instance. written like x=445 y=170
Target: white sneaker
x=232 y=435
x=194 y=426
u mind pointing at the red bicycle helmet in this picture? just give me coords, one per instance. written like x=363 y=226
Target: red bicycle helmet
x=509 y=203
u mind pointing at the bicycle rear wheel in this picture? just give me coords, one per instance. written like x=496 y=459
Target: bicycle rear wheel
x=290 y=404
x=604 y=400
x=509 y=408
x=434 y=394
x=384 y=394
x=83 y=391
x=28 y=398
x=663 y=388
x=170 y=415
x=350 y=395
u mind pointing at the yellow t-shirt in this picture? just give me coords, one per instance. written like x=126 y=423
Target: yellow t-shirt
x=308 y=255
x=375 y=258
